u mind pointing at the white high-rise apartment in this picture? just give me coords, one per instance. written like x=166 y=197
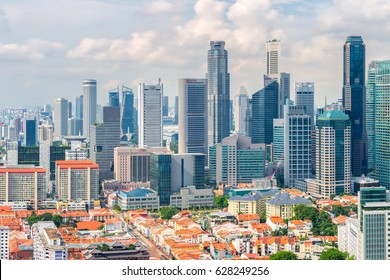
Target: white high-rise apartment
x=273 y=59
x=47 y=242
x=4 y=242
x=12 y=152
x=60 y=117
x=45 y=133
x=241 y=107
x=89 y=105
x=150 y=124
x=44 y=161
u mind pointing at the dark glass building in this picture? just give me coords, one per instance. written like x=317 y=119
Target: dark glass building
x=113 y=98
x=160 y=176
x=127 y=111
x=30 y=132
x=354 y=101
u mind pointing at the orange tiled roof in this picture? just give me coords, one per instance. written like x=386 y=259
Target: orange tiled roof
x=276 y=220
x=92 y=225
x=113 y=221
x=340 y=220
x=248 y=217
x=76 y=164
x=12 y=223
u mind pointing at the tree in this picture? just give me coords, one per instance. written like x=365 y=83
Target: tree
x=333 y=254
x=283 y=255
x=45 y=217
x=131 y=247
x=32 y=219
x=221 y=201
x=117 y=208
x=103 y=247
x=101 y=227
x=322 y=222
x=168 y=212
x=263 y=217
x=338 y=210
x=57 y=220
x=279 y=232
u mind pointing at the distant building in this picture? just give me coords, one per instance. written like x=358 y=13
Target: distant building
x=117 y=251
x=89 y=105
x=362 y=182
x=138 y=198
x=128 y=111
x=282 y=205
x=113 y=98
x=190 y=196
x=12 y=152
x=45 y=133
x=246 y=204
x=61 y=117
x=30 y=132
x=278 y=141
x=4 y=242
x=241 y=107
x=47 y=242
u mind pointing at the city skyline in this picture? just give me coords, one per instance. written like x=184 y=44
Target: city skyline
x=169 y=39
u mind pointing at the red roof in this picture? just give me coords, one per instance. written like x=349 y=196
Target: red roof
x=93 y=225
x=76 y=164
x=22 y=170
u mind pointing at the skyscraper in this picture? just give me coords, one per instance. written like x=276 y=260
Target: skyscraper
x=273 y=59
x=104 y=138
x=30 y=132
x=45 y=133
x=378 y=119
x=60 y=117
x=193 y=116
x=304 y=96
x=370 y=114
x=150 y=124
x=218 y=87
x=284 y=93
x=165 y=105
x=89 y=105
x=278 y=141
x=354 y=101
x=128 y=115
x=176 y=118
x=240 y=111
x=297 y=131
x=79 y=107
x=264 y=111
x=333 y=156
x=113 y=97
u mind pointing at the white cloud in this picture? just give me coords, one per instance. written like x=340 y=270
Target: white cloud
x=33 y=50
x=160 y=6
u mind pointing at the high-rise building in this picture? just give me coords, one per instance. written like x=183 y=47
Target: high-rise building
x=370 y=114
x=30 y=132
x=18 y=125
x=160 y=176
x=79 y=107
x=12 y=152
x=297 y=131
x=193 y=116
x=45 y=133
x=278 y=141
x=304 y=96
x=165 y=105
x=240 y=111
x=150 y=123
x=128 y=112
x=176 y=117
x=4 y=242
x=11 y=133
x=133 y=164
x=113 y=97
x=104 y=138
x=333 y=153
x=48 y=243
x=273 y=58
x=70 y=109
x=77 y=180
x=44 y=161
x=89 y=102
x=236 y=160
x=354 y=101
x=284 y=93
x=378 y=121
x=218 y=87
x=75 y=127
x=60 y=117
x=4 y=130
x=264 y=110
x=23 y=184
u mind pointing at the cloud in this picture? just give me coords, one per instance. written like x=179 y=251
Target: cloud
x=160 y=6
x=32 y=50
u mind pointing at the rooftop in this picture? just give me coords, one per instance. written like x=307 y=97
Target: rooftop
x=333 y=115
x=138 y=192
x=285 y=199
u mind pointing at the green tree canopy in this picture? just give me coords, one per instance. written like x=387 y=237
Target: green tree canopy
x=131 y=247
x=333 y=254
x=221 y=201
x=322 y=222
x=168 y=212
x=283 y=255
x=57 y=220
x=263 y=217
x=117 y=208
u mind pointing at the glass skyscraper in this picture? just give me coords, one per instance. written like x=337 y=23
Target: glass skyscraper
x=127 y=111
x=354 y=101
x=218 y=86
x=304 y=96
x=113 y=98
x=160 y=176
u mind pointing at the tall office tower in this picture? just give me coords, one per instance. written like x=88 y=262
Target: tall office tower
x=128 y=113
x=75 y=127
x=370 y=114
x=104 y=138
x=236 y=160
x=150 y=124
x=47 y=109
x=60 y=117
x=273 y=59
x=240 y=111
x=77 y=180
x=12 y=152
x=113 y=97
x=264 y=111
x=133 y=164
x=193 y=116
x=354 y=101
x=44 y=161
x=70 y=110
x=378 y=120
x=79 y=107
x=99 y=113
x=45 y=133
x=231 y=115
x=278 y=141
x=30 y=132
x=4 y=242
x=333 y=156
x=160 y=176
x=284 y=93
x=48 y=243
x=23 y=184
x=165 y=105
x=297 y=131
x=176 y=118
x=89 y=105
x=218 y=87
x=304 y=96
x=11 y=132
x=4 y=131
x=18 y=125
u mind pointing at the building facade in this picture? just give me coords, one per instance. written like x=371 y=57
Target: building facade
x=304 y=96
x=61 y=117
x=128 y=112
x=45 y=133
x=241 y=107
x=89 y=102
x=138 y=198
x=190 y=196
x=47 y=242
x=4 y=242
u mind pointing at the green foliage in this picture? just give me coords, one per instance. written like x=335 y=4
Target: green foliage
x=174 y=147
x=57 y=220
x=101 y=227
x=283 y=255
x=263 y=217
x=168 y=212
x=103 y=247
x=354 y=208
x=131 y=247
x=221 y=201
x=280 y=232
x=333 y=254
x=117 y=208
x=322 y=223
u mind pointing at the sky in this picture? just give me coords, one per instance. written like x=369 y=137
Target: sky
x=47 y=47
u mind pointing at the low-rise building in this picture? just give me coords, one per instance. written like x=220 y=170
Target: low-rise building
x=190 y=197
x=246 y=204
x=245 y=220
x=117 y=251
x=138 y=199
x=218 y=218
x=282 y=205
